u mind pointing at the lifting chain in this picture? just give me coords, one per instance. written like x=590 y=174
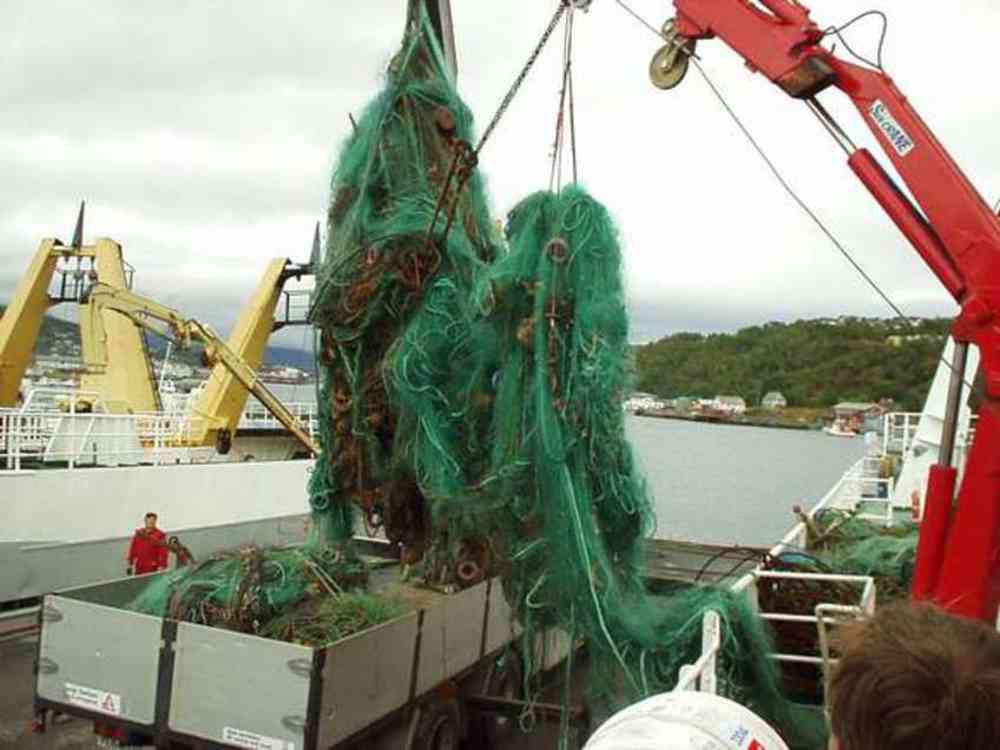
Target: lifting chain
x=522 y=75
x=465 y=158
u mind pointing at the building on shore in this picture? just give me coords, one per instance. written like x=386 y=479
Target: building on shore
x=858 y=416
x=774 y=400
x=729 y=404
x=641 y=402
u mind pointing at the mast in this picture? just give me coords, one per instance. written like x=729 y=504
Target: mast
x=439 y=13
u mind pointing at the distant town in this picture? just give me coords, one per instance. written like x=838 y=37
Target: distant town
x=844 y=418
x=58 y=361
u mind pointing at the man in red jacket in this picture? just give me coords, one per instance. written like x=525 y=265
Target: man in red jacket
x=148 y=551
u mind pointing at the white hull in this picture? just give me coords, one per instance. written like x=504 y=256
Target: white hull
x=839 y=433
x=924 y=449
x=65 y=528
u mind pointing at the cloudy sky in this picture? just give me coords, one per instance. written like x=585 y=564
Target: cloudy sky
x=202 y=135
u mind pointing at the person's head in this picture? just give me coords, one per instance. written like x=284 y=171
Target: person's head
x=915 y=677
x=174 y=541
x=149 y=521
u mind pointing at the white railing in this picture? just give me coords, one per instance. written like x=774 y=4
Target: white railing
x=898 y=431
x=843 y=494
x=701 y=675
x=79 y=439
x=76 y=429
x=256 y=417
x=824 y=614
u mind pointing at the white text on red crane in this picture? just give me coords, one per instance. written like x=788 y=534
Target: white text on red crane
x=892 y=130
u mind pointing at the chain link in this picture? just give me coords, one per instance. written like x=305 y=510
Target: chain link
x=521 y=76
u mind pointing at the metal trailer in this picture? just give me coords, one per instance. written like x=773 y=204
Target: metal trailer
x=425 y=679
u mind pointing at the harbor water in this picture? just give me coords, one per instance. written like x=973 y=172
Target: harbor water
x=728 y=484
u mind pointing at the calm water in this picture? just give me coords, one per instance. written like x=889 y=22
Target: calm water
x=734 y=485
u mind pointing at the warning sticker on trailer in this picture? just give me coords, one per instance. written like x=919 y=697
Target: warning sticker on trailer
x=93 y=699
x=254 y=741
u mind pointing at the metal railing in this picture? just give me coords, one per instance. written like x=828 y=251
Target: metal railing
x=96 y=438
x=76 y=429
x=898 y=431
x=256 y=417
x=843 y=494
x=824 y=615
x=701 y=675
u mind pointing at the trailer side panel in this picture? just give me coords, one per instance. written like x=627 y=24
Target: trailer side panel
x=100 y=659
x=239 y=689
x=366 y=677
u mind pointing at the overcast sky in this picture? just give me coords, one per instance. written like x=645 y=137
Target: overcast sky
x=202 y=136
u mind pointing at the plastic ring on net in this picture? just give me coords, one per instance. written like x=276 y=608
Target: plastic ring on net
x=527 y=720
x=558 y=249
x=468 y=572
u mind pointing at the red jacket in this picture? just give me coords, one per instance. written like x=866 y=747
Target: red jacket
x=148 y=551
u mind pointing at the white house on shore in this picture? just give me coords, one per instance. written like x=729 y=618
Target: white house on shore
x=774 y=400
x=639 y=401
x=729 y=404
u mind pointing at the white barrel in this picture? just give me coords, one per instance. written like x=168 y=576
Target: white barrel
x=685 y=720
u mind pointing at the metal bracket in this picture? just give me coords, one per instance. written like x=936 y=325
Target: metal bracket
x=302 y=667
x=294 y=723
x=47 y=665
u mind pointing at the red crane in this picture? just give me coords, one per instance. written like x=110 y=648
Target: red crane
x=954 y=230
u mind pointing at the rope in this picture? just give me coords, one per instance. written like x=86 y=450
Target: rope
x=836 y=30
x=555 y=172
x=465 y=158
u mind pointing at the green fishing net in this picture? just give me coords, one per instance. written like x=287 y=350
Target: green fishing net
x=862 y=547
x=310 y=595
x=472 y=384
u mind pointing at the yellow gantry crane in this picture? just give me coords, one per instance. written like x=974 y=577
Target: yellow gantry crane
x=234 y=374
x=113 y=319
x=127 y=383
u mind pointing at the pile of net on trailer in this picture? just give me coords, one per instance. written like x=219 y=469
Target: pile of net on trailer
x=311 y=596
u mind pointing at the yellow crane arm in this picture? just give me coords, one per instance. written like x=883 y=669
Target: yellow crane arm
x=224 y=396
x=165 y=321
x=22 y=320
x=125 y=380
x=123 y=375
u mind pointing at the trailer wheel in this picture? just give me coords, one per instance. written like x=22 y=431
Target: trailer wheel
x=504 y=680
x=440 y=727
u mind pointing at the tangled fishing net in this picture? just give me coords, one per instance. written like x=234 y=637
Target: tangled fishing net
x=839 y=541
x=311 y=596
x=471 y=394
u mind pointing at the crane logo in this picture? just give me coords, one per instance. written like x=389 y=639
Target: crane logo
x=892 y=130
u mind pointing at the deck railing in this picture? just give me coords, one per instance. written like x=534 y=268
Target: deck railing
x=701 y=675
x=76 y=429
x=898 y=431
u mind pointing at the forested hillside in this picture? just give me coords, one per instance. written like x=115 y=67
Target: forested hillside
x=812 y=362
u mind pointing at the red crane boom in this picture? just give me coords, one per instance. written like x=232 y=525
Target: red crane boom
x=954 y=231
